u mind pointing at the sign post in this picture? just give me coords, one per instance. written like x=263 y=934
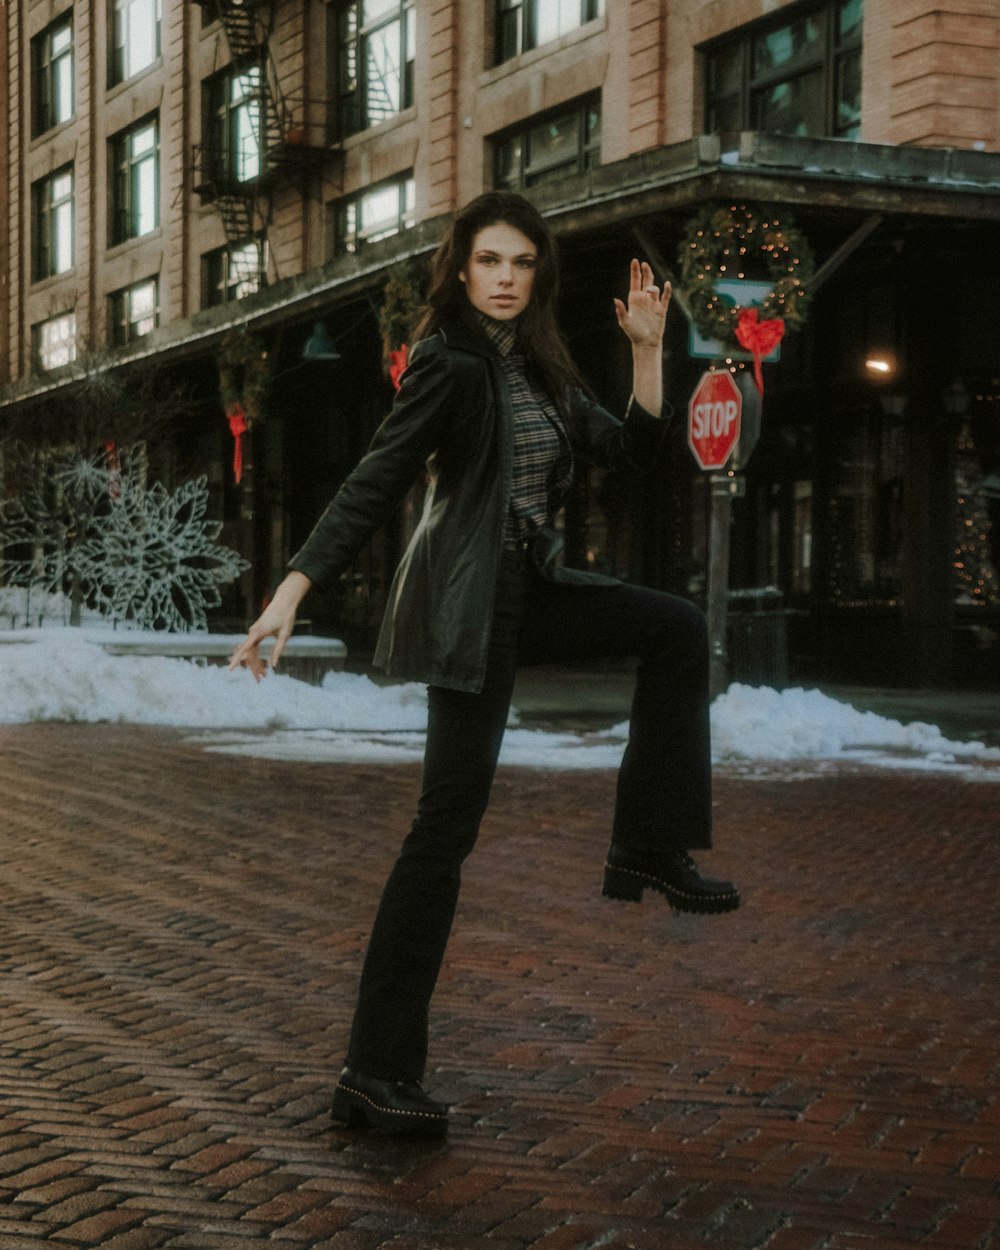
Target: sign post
x=714 y=423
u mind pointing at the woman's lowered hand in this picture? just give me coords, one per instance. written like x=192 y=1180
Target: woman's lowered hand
x=277 y=621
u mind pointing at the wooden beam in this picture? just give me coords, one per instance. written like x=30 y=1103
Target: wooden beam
x=847 y=249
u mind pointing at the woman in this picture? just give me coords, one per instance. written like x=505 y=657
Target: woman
x=492 y=409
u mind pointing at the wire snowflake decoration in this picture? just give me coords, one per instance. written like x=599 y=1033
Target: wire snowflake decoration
x=154 y=559
x=132 y=552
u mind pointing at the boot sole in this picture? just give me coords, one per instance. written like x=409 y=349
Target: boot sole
x=627 y=885
x=358 y=1111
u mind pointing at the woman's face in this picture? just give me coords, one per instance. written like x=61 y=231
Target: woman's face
x=500 y=271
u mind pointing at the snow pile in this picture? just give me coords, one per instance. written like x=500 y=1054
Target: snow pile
x=63 y=674
x=759 y=723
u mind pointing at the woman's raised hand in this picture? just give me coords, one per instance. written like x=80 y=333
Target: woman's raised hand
x=644 y=317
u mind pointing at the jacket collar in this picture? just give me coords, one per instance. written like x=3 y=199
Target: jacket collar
x=466 y=336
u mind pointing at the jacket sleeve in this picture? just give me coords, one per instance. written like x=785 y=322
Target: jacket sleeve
x=631 y=444
x=395 y=458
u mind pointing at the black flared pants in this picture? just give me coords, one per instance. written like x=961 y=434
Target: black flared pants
x=663 y=797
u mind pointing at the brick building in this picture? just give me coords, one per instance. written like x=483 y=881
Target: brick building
x=196 y=189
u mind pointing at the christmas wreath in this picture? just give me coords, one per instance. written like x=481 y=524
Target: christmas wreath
x=736 y=242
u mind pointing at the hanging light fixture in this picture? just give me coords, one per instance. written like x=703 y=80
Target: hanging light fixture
x=320 y=345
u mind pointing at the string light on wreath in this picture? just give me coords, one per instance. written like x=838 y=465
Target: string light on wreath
x=735 y=241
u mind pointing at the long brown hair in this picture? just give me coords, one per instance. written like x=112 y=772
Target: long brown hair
x=538 y=332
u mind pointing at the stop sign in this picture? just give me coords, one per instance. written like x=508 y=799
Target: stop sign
x=714 y=418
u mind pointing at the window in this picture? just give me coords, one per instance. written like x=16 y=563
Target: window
x=52 y=76
x=230 y=273
x=567 y=142
x=135 y=311
x=135 y=182
x=865 y=513
x=799 y=77
x=135 y=37
x=53 y=342
x=233 y=125
x=52 y=214
x=375 y=214
x=376 y=42
x=524 y=24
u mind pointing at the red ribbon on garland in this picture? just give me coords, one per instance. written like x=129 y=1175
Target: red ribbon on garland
x=759 y=337
x=238 y=426
x=398 y=361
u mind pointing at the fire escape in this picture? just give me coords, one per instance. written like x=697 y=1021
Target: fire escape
x=253 y=139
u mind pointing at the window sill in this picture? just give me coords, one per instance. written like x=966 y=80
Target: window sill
x=51 y=135
x=391 y=123
x=50 y=281
x=118 y=248
x=128 y=84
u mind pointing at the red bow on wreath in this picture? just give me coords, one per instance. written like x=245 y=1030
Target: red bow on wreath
x=238 y=426
x=398 y=361
x=759 y=337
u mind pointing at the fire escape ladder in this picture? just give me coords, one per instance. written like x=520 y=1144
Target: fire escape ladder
x=236 y=208
x=240 y=194
x=247 y=23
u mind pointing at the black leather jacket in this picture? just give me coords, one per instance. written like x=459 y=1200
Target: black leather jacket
x=453 y=420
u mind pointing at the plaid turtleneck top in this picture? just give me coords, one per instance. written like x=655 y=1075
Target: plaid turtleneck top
x=543 y=462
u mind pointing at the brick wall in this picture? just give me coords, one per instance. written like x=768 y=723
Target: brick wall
x=930 y=76
x=942 y=69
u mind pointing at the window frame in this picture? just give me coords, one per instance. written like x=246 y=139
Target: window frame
x=123 y=319
x=38 y=334
x=224 y=112
x=588 y=145
x=515 y=25
x=220 y=278
x=121 y=14
x=124 y=220
x=46 y=64
x=46 y=216
x=345 y=241
x=349 y=61
x=834 y=53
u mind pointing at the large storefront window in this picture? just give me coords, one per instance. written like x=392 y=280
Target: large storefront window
x=865 y=516
x=977 y=537
x=798 y=77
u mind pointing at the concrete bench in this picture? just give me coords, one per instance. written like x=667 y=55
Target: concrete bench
x=306 y=657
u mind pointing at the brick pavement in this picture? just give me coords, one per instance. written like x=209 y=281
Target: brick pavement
x=181 y=933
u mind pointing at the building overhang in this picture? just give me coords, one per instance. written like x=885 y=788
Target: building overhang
x=830 y=174
x=833 y=175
